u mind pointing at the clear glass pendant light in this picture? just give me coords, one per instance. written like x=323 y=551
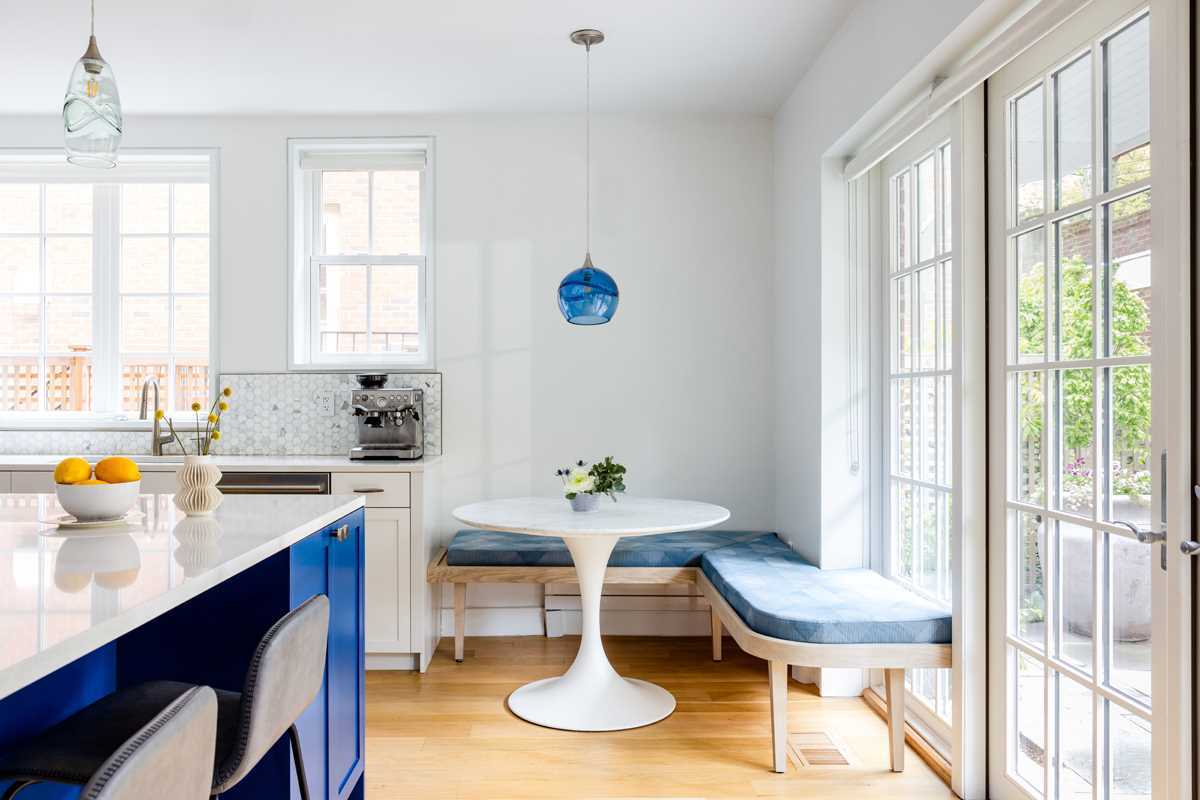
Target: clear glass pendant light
x=588 y=296
x=92 y=109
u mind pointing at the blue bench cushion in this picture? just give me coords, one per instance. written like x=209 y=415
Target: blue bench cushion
x=777 y=593
x=475 y=548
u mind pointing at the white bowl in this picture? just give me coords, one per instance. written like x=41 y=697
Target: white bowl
x=98 y=501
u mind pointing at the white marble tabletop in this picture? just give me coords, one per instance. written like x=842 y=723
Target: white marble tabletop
x=65 y=595
x=229 y=463
x=628 y=516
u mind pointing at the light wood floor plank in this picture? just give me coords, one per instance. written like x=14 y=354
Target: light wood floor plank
x=448 y=733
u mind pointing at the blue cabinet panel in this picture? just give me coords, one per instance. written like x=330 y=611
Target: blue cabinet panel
x=346 y=658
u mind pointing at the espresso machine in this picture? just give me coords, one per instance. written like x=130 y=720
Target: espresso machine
x=389 y=420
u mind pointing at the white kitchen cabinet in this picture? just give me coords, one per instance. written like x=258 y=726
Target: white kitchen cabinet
x=388 y=581
x=36 y=482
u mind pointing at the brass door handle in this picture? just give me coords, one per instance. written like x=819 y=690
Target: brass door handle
x=342 y=533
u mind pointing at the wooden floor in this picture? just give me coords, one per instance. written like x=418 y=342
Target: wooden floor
x=448 y=733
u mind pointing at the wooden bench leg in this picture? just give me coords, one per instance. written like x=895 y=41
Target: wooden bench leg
x=893 y=680
x=460 y=619
x=777 y=671
x=716 y=634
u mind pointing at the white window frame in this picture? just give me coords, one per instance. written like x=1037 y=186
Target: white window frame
x=137 y=165
x=304 y=231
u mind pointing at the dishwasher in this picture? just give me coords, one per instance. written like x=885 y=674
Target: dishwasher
x=274 y=483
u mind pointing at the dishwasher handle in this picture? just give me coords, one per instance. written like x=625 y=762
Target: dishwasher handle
x=275 y=483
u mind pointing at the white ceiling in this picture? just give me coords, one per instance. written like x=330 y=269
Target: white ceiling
x=401 y=56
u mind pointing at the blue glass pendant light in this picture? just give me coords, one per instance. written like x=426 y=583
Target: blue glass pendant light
x=588 y=296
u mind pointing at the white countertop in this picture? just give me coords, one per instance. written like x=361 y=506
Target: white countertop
x=232 y=463
x=63 y=596
x=628 y=516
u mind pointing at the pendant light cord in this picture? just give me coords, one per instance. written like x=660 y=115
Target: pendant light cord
x=93 y=17
x=587 y=157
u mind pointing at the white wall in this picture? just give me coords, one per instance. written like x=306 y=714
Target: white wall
x=675 y=387
x=874 y=57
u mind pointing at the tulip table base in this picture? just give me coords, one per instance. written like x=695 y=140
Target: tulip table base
x=591 y=696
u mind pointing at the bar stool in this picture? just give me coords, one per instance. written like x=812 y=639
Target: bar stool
x=284 y=677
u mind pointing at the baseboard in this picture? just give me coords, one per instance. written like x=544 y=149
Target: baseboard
x=915 y=739
x=392 y=661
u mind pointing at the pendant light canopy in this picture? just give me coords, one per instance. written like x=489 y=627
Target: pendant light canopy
x=92 y=109
x=588 y=296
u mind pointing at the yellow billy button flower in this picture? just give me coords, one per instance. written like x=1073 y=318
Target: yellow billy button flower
x=195 y=406
x=212 y=417
x=159 y=414
x=227 y=392
x=216 y=435
x=223 y=405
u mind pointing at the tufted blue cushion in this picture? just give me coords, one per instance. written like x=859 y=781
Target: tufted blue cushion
x=474 y=548
x=777 y=593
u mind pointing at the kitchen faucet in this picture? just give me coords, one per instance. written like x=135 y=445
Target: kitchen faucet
x=157 y=439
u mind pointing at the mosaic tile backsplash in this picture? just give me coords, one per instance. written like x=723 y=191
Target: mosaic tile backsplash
x=298 y=414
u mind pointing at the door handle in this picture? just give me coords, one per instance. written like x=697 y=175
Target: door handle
x=368 y=491
x=342 y=533
x=1145 y=537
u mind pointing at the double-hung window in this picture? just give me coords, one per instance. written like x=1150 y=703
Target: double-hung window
x=361 y=279
x=104 y=284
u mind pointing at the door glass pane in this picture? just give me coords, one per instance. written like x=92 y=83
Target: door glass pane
x=1073 y=131
x=1075 y=595
x=903 y=327
x=1031 y=578
x=1028 y=147
x=1031 y=295
x=945 y=423
x=1030 y=445
x=1075 y=740
x=1127 y=307
x=900 y=214
x=927 y=336
x=1076 y=446
x=903 y=427
x=1029 y=748
x=927 y=578
x=1129 y=488
x=345 y=219
x=930 y=429
x=1127 y=117
x=946 y=304
x=1072 y=292
x=902 y=529
x=145 y=264
x=926 y=213
x=1129 y=744
x=1130 y=563
x=946 y=209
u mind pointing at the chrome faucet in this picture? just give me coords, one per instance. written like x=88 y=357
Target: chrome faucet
x=157 y=440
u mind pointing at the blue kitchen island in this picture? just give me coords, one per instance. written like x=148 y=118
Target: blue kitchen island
x=185 y=599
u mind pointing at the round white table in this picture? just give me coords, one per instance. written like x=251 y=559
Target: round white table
x=591 y=696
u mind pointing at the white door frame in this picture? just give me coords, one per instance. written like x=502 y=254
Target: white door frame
x=1172 y=685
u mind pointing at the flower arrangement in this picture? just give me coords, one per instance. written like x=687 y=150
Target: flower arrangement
x=605 y=477
x=207 y=433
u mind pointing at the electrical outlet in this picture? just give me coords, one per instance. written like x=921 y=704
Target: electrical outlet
x=325 y=404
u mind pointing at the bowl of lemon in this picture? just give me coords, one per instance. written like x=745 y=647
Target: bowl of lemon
x=104 y=493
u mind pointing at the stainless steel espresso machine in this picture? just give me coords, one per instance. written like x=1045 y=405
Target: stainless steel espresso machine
x=389 y=420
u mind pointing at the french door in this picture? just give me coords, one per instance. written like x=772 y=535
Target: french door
x=1078 y=353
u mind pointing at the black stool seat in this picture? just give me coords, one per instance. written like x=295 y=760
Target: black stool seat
x=74 y=749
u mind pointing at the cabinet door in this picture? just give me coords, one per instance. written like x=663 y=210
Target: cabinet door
x=347 y=659
x=33 y=481
x=389 y=623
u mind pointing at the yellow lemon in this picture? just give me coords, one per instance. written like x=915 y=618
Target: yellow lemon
x=93 y=482
x=117 y=470
x=72 y=470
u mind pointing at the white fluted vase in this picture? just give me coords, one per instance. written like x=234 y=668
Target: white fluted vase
x=198 y=495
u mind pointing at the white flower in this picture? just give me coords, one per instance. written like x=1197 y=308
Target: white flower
x=579 y=482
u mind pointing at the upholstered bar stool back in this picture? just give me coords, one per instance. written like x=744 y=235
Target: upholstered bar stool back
x=283 y=679
x=169 y=757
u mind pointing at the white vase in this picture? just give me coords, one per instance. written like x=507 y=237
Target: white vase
x=198 y=494
x=585 y=502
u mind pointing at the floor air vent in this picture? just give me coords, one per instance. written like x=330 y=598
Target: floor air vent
x=817 y=749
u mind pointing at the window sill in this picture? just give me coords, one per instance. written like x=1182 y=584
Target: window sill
x=83 y=423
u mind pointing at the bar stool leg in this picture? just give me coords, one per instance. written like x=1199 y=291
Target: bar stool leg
x=301 y=775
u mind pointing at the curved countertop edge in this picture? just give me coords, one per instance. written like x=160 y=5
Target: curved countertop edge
x=18 y=676
x=230 y=463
